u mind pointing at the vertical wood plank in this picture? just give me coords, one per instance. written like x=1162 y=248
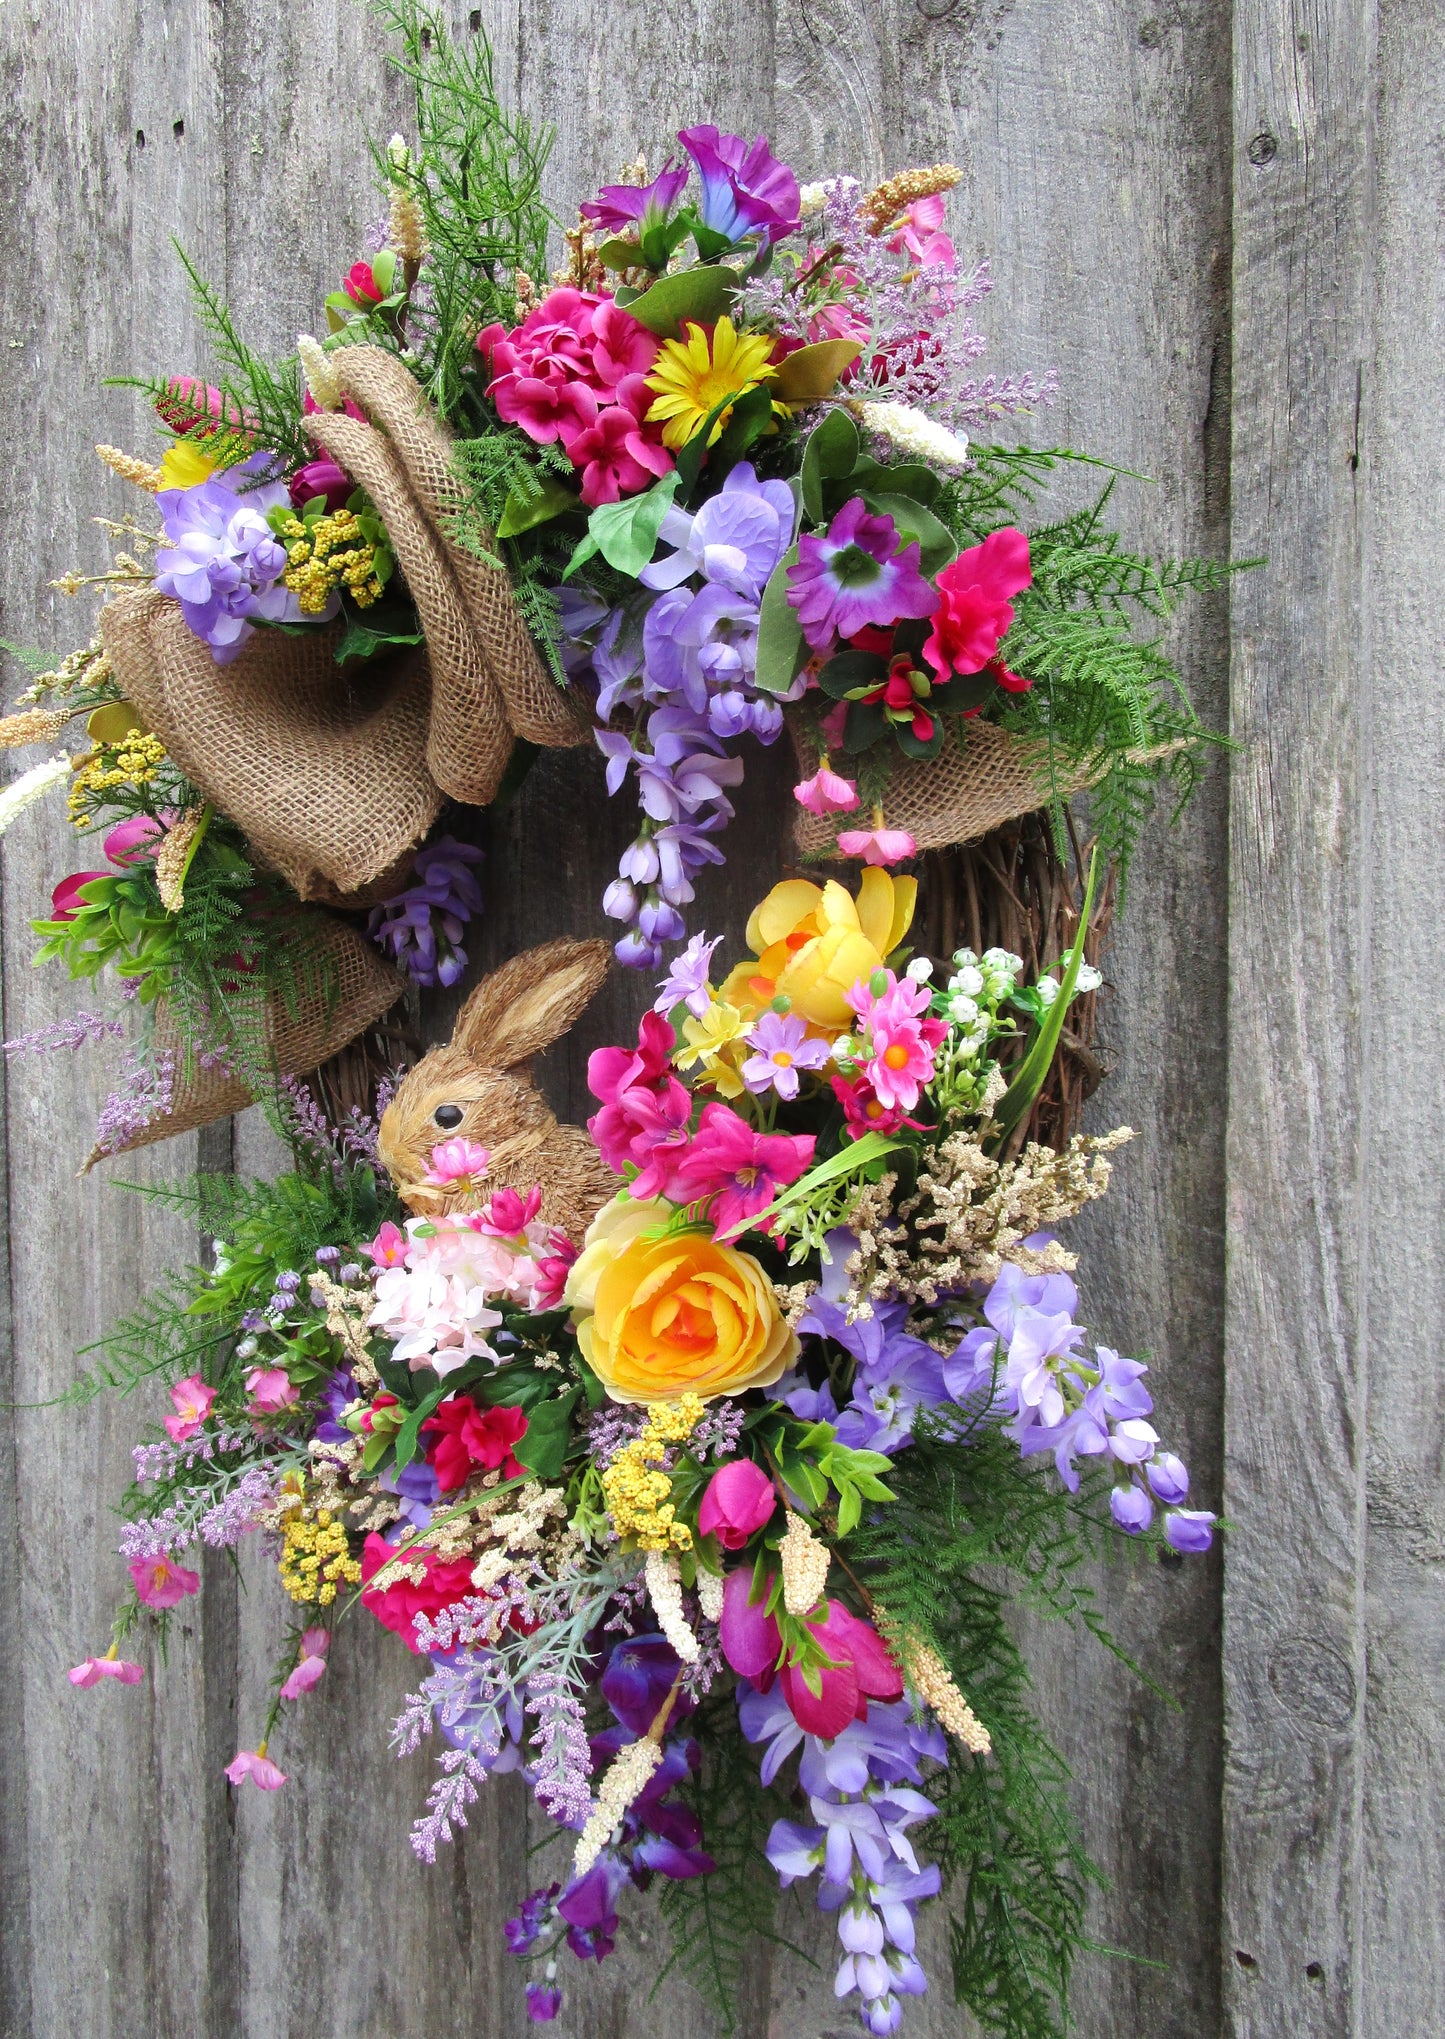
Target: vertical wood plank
x=1302 y=1023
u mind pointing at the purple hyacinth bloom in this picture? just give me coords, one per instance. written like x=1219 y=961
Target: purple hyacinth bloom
x=224 y=563
x=856 y=575
x=1131 y=1509
x=781 y=1047
x=544 y=2001
x=686 y=982
x=745 y=189
x=422 y=926
x=736 y=539
x=620 y=206
x=1168 y=1477
x=1189 y=1530
x=896 y=1374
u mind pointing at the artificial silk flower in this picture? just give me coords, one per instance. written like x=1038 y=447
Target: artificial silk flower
x=736 y=1169
x=745 y=189
x=694 y=375
x=111 y=1665
x=185 y=465
x=253 y=1766
x=458 y=1160
x=192 y=1399
x=310 y=1666
x=974 y=609
x=619 y=207
x=856 y=574
x=271 y=1389
x=780 y=1048
x=877 y=845
x=161 y=1582
x=812 y=943
x=739 y=1501
x=827 y=792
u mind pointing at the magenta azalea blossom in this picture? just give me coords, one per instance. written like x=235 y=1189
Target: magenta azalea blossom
x=95 y=1668
x=740 y=1167
x=827 y=792
x=161 y=1582
x=620 y=206
x=856 y=575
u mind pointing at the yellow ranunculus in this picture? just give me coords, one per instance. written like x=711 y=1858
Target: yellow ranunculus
x=663 y=1316
x=184 y=465
x=813 y=943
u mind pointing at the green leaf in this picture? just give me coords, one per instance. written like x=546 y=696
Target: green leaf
x=700 y=294
x=781 y=650
x=866 y=725
x=363 y=640
x=1018 y=1100
x=552 y=498
x=626 y=533
x=408 y=1438
x=848 y=671
x=543 y=1450
x=619 y=253
x=937 y=543
x=849 y=1160
x=907 y=479
x=830 y=454
x=850 y=1510
x=811 y=373
x=917 y=747
x=752 y=416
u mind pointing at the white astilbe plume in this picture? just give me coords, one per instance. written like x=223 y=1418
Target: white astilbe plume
x=320 y=381
x=664 y=1589
x=911 y=433
x=32 y=786
x=805 y=1567
x=624 y=1782
x=710 y=1594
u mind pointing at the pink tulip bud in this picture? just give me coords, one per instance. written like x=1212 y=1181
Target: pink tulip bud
x=738 y=1502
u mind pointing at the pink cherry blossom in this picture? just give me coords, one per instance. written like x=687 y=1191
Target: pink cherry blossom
x=456 y=1161
x=95 y=1668
x=310 y=1665
x=193 y=1401
x=826 y=792
x=161 y=1582
x=877 y=845
x=255 y=1765
x=270 y=1390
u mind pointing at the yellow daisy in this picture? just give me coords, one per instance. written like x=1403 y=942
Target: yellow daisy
x=693 y=379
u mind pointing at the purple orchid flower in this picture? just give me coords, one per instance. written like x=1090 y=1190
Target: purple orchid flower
x=745 y=189
x=856 y=574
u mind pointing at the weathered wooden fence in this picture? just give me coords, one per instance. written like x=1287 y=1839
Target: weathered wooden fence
x=1225 y=229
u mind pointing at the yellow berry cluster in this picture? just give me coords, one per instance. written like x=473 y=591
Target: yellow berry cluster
x=638 y=1499
x=328 y=554
x=316 y=1557
x=131 y=762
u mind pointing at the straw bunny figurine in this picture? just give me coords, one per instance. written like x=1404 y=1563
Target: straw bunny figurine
x=479 y=1088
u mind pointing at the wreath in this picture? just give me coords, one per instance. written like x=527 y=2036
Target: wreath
x=698 y=1456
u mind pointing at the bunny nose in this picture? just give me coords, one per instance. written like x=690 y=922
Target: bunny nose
x=447 y=1116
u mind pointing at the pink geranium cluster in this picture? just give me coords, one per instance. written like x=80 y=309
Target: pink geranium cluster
x=437 y=1283
x=575 y=371
x=900 y=1041
x=646 y=1124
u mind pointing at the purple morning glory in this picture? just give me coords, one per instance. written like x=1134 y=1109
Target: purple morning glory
x=745 y=189
x=856 y=575
x=620 y=206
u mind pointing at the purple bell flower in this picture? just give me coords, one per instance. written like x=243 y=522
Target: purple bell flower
x=1131 y=1509
x=745 y=189
x=1189 y=1530
x=1168 y=1478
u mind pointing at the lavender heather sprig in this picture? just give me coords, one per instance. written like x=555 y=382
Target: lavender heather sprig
x=73 y=1033
x=561 y=1778
x=447 y=1801
x=144 y=1096
x=164 y=1458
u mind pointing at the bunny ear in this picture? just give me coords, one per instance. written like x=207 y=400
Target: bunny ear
x=531 y=1001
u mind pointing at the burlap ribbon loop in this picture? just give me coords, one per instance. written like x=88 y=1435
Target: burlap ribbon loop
x=323 y=767
x=487 y=673
x=954 y=798
x=359 y=988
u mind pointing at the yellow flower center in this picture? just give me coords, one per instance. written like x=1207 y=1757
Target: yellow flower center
x=895 y=1057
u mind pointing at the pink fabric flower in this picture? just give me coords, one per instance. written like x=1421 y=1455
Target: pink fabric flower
x=467 y=1438
x=444 y=1581
x=507 y=1213
x=645 y=1110
x=546 y=407
x=826 y=792
x=161 y=1582
x=610 y=1071
x=255 y=1765
x=920 y=232
x=137 y=836
x=192 y=1399
x=310 y=1666
x=553 y=1270
x=95 y=1668
x=974 y=609
x=456 y=1161
x=877 y=845
x=270 y=1390
x=740 y=1499
x=740 y=1168
x=863 y=1109
x=901 y=1064
x=862 y=1668
x=618 y=454
x=321 y=478
x=361 y=286
x=388 y=1248
x=65 y=900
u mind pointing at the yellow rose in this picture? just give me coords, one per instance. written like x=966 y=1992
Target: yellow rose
x=813 y=944
x=658 y=1317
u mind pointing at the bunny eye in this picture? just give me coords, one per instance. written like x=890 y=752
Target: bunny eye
x=447 y=1116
